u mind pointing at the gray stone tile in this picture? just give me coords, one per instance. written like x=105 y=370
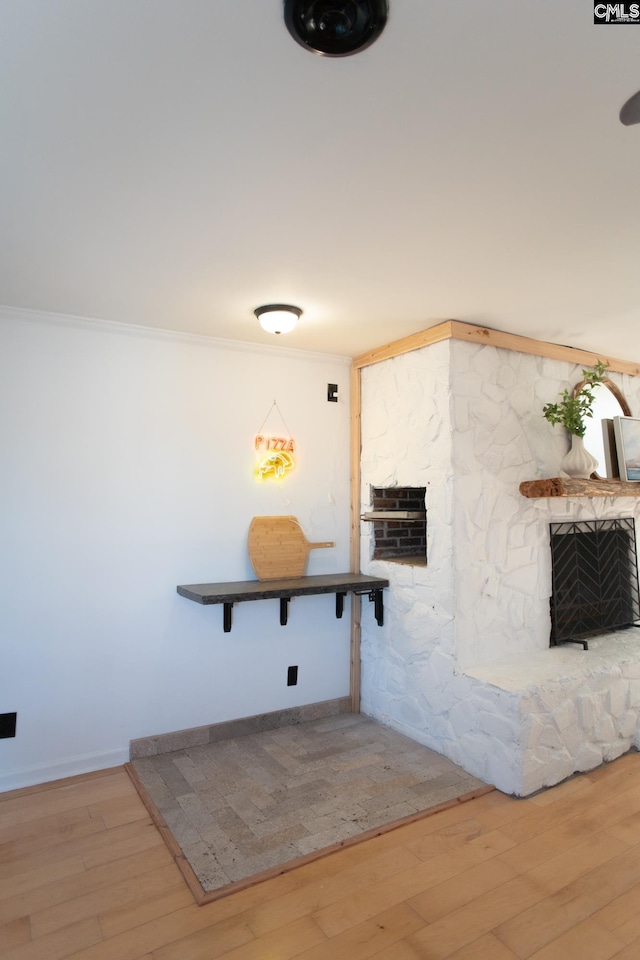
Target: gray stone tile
x=172 y=776
x=242 y=805
x=226 y=852
x=429 y=787
x=197 y=814
x=356 y=762
x=144 y=747
x=159 y=791
x=147 y=768
x=442 y=794
x=332 y=821
x=260 y=846
x=285 y=758
x=265 y=861
x=227 y=782
x=181 y=828
x=192 y=772
x=238 y=833
x=170 y=742
x=378 y=818
x=212 y=798
x=203 y=860
x=388 y=799
x=329 y=806
x=232 y=729
x=319 y=841
x=299 y=794
x=342 y=722
x=264 y=770
x=279 y=825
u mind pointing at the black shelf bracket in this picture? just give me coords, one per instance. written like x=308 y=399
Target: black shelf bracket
x=284 y=610
x=340 y=604
x=375 y=596
x=226 y=616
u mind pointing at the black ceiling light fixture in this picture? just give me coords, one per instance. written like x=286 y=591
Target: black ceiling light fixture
x=630 y=112
x=335 y=28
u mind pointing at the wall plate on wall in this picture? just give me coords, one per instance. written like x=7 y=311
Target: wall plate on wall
x=8 y=725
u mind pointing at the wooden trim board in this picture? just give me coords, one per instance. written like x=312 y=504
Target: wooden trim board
x=424 y=338
x=457 y=330
x=356 y=602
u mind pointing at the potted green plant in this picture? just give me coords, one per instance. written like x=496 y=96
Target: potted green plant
x=571 y=410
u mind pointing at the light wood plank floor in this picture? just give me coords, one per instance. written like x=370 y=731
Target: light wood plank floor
x=84 y=874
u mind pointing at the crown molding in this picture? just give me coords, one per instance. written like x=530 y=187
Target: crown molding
x=154 y=333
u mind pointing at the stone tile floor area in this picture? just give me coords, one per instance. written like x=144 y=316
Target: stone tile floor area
x=242 y=806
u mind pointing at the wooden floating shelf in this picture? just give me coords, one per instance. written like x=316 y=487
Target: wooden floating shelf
x=572 y=487
x=238 y=591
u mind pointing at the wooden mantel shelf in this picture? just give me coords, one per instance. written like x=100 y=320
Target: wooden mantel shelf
x=571 y=487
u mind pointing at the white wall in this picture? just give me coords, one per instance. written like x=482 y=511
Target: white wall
x=128 y=469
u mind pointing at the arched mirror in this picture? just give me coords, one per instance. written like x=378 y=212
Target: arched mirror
x=609 y=402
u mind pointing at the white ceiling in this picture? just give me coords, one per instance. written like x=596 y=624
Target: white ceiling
x=176 y=163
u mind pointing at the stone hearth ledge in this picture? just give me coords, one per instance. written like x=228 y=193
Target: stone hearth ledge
x=571 y=709
x=229 y=729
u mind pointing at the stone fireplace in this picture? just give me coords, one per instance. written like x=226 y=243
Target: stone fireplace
x=464 y=663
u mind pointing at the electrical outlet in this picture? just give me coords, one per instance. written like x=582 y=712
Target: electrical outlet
x=8 y=725
x=292 y=676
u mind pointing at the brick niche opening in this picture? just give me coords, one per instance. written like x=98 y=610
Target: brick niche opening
x=399 y=524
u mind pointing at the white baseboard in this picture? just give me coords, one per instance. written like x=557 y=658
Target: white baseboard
x=69 y=767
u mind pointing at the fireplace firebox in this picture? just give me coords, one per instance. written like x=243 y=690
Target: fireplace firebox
x=594 y=579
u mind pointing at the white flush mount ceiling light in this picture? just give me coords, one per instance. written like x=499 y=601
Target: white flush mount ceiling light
x=278 y=317
x=630 y=112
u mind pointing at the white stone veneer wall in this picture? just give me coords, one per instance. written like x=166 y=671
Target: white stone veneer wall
x=462 y=663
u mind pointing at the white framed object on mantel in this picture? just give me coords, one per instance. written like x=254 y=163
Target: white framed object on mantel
x=627 y=434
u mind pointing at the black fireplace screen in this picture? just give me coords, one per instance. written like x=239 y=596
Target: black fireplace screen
x=594 y=577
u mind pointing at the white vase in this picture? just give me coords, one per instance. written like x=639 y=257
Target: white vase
x=578 y=462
